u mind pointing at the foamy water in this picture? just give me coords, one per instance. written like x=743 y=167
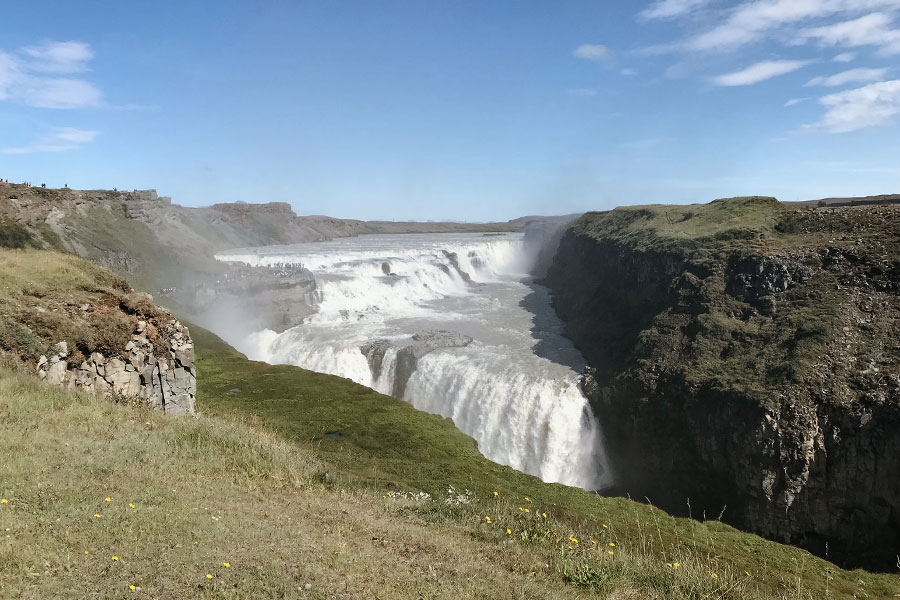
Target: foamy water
x=514 y=388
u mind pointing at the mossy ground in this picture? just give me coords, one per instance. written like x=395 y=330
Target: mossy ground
x=254 y=482
x=41 y=299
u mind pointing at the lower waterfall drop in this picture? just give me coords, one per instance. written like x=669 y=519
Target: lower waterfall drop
x=453 y=325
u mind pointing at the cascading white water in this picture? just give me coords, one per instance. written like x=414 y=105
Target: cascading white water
x=513 y=388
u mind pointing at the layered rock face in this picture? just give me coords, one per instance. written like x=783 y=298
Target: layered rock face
x=749 y=370
x=165 y=380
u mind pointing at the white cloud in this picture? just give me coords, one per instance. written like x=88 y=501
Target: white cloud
x=628 y=72
x=844 y=57
x=752 y=21
x=31 y=77
x=875 y=29
x=593 y=52
x=870 y=106
x=795 y=101
x=667 y=9
x=59 y=57
x=59 y=93
x=860 y=75
x=59 y=140
x=761 y=71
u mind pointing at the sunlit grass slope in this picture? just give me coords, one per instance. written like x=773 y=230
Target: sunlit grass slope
x=99 y=497
x=252 y=500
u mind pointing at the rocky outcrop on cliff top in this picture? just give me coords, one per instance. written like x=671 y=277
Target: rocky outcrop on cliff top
x=77 y=325
x=164 y=380
x=745 y=361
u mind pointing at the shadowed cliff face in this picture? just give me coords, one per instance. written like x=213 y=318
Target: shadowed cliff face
x=750 y=370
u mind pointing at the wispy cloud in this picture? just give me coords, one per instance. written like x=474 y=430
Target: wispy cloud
x=754 y=20
x=628 y=72
x=875 y=29
x=795 y=101
x=58 y=140
x=844 y=57
x=32 y=76
x=59 y=57
x=669 y=9
x=869 y=106
x=860 y=75
x=597 y=52
x=758 y=72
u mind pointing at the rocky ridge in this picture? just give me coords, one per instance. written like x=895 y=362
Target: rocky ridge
x=750 y=369
x=167 y=382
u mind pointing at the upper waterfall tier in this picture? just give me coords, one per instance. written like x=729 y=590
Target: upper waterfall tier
x=453 y=325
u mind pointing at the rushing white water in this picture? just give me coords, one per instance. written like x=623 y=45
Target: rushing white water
x=514 y=388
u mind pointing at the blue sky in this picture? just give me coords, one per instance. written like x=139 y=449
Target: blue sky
x=454 y=110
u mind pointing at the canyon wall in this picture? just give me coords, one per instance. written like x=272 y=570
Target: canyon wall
x=745 y=363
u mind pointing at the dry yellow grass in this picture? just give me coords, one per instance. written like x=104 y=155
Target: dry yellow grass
x=177 y=499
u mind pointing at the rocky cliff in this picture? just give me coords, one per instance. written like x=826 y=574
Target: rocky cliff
x=80 y=326
x=160 y=245
x=169 y=250
x=745 y=362
x=165 y=381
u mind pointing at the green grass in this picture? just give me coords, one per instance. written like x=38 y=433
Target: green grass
x=41 y=295
x=212 y=490
x=734 y=222
x=386 y=445
x=254 y=482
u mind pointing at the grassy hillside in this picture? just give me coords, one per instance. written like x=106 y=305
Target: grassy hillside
x=48 y=297
x=254 y=499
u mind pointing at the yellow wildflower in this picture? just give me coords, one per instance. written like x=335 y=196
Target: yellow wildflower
x=508 y=531
x=4 y=501
x=544 y=515
x=96 y=515
x=605 y=526
x=527 y=499
x=226 y=564
x=108 y=499
x=610 y=552
x=131 y=587
x=747 y=573
x=521 y=509
x=496 y=493
x=131 y=505
x=594 y=542
x=612 y=544
x=67 y=443
x=209 y=575
x=713 y=575
x=676 y=565
x=115 y=558
x=573 y=539
x=85 y=551
x=669 y=565
x=526 y=510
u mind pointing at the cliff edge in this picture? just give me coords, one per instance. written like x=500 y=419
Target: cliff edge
x=744 y=361
x=79 y=326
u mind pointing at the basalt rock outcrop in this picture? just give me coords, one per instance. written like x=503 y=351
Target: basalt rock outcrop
x=745 y=362
x=165 y=379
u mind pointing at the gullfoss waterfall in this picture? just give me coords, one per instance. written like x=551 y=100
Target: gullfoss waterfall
x=453 y=325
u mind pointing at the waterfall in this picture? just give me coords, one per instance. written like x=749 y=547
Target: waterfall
x=379 y=302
